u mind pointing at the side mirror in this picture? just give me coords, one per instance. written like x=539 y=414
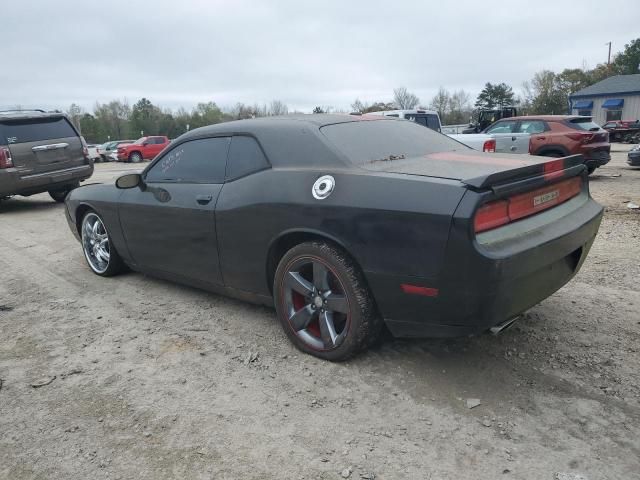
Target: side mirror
x=144 y=144
x=130 y=180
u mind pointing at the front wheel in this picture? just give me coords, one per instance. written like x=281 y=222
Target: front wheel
x=96 y=245
x=323 y=302
x=135 y=157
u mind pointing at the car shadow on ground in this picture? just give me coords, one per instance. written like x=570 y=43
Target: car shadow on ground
x=26 y=205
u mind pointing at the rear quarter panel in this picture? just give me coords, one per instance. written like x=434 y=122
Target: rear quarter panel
x=390 y=223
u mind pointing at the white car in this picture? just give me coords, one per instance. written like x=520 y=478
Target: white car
x=427 y=118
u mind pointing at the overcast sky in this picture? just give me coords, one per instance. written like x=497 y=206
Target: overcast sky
x=179 y=53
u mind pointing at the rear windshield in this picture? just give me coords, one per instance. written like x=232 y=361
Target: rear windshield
x=33 y=130
x=583 y=124
x=384 y=140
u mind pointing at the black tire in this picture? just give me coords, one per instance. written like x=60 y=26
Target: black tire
x=135 y=157
x=114 y=264
x=355 y=322
x=60 y=194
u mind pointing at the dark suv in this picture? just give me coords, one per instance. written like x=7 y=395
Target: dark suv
x=41 y=152
x=560 y=136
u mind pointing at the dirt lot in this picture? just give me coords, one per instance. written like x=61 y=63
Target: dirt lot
x=150 y=380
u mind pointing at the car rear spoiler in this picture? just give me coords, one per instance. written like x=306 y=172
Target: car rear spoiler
x=530 y=175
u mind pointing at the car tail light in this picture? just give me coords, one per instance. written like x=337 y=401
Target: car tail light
x=5 y=158
x=500 y=212
x=584 y=137
x=489 y=146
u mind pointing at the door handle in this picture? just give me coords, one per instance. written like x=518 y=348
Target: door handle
x=204 y=199
x=514 y=148
x=541 y=138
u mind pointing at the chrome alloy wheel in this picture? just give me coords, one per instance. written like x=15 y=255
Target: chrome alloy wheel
x=95 y=243
x=316 y=304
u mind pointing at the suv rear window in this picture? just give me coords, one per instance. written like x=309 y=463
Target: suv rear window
x=33 y=130
x=381 y=140
x=583 y=124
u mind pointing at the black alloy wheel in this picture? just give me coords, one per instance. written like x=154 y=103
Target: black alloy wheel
x=323 y=303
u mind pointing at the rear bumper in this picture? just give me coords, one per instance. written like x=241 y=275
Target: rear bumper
x=13 y=183
x=485 y=285
x=598 y=156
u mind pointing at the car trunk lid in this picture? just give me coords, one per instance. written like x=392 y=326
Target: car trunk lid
x=481 y=171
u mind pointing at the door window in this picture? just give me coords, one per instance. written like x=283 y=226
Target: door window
x=245 y=157
x=531 y=126
x=196 y=161
x=502 y=127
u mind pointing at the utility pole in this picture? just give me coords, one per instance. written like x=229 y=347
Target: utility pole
x=609 y=56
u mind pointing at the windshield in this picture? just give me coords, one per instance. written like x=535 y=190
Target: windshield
x=140 y=141
x=387 y=140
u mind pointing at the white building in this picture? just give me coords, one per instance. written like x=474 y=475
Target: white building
x=614 y=98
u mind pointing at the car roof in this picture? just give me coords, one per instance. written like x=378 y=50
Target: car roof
x=28 y=114
x=281 y=121
x=545 y=118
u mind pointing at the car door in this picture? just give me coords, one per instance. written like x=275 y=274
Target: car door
x=507 y=140
x=169 y=222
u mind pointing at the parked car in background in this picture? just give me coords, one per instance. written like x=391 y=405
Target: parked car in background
x=633 y=157
x=426 y=118
x=144 y=148
x=559 y=136
x=107 y=149
x=92 y=149
x=621 y=130
x=344 y=224
x=41 y=152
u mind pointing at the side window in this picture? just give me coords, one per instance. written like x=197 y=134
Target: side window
x=501 y=127
x=156 y=140
x=531 y=126
x=245 y=157
x=196 y=161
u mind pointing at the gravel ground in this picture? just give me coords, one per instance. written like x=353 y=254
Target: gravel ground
x=133 y=377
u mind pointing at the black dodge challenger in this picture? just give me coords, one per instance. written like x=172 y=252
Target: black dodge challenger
x=346 y=224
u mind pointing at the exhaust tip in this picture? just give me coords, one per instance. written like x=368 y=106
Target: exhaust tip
x=501 y=327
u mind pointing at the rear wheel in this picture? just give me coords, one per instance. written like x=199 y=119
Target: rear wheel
x=135 y=157
x=60 y=194
x=553 y=154
x=96 y=245
x=591 y=169
x=323 y=302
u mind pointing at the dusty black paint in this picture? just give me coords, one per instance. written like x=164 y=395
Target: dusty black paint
x=409 y=221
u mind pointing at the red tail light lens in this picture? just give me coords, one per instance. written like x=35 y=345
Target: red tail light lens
x=583 y=137
x=489 y=146
x=492 y=215
x=501 y=212
x=5 y=158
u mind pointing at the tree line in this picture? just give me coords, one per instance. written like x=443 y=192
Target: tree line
x=546 y=93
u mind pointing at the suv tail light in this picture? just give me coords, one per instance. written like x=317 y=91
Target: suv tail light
x=489 y=146
x=500 y=212
x=5 y=158
x=585 y=137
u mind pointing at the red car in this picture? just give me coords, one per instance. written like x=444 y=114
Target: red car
x=560 y=136
x=144 y=148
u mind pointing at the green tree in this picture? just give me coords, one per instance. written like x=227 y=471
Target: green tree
x=495 y=95
x=628 y=61
x=318 y=109
x=205 y=114
x=113 y=118
x=91 y=129
x=145 y=118
x=546 y=94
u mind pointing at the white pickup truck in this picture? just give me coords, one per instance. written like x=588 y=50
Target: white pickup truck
x=491 y=141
